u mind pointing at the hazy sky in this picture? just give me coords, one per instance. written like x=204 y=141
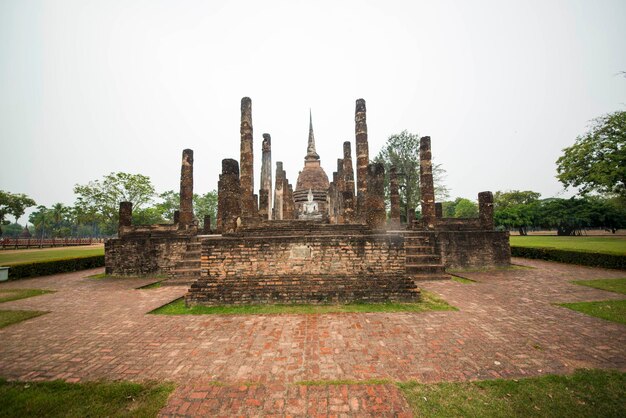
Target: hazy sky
x=91 y=87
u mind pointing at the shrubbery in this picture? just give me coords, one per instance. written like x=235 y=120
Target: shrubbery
x=611 y=261
x=44 y=268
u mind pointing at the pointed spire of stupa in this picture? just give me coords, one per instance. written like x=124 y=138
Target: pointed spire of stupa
x=311 y=154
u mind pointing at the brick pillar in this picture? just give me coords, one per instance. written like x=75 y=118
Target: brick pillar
x=247 y=159
x=438 y=210
x=394 y=197
x=289 y=205
x=228 y=196
x=362 y=157
x=186 y=190
x=176 y=216
x=206 y=229
x=376 y=214
x=126 y=215
x=348 y=184
x=278 y=191
x=332 y=199
x=427 y=187
x=265 y=193
x=485 y=210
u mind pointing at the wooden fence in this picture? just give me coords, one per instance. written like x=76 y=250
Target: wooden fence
x=15 y=243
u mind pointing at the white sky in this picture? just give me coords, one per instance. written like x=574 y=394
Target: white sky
x=91 y=87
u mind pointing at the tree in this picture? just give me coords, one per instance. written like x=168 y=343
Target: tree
x=597 y=160
x=508 y=198
x=169 y=204
x=205 y=204
x=402 y=151
x=465 y=208
x=13 y=204
x=103 y=197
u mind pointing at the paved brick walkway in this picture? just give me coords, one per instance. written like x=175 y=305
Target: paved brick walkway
x=506 y=326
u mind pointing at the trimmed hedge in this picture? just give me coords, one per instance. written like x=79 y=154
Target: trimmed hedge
x=609 y=261
x=44 y=268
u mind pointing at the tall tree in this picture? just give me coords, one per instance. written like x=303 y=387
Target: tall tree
x=402 y=151
x=13 y=204
x=597 y=160
x=205 y=204
x=104 y=196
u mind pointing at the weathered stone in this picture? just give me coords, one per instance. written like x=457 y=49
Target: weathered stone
x=186 y=190
x=278 y=191
x=376 y=214
x=438 y=210
x=485 y=210
x=410 y=217
x=126 y=215
x=176 y=217
x=206 y=227
x=228 y=197
x=247 y=159
x=362 y=157
x=394 y=197
x=265 y=193
x=427 y=187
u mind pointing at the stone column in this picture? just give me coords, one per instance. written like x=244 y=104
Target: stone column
x=228 y=197
x=332 y=199
x=427 y=187
x=126 y=215
x=410 y=217
x=348 y=171
x=485 y=210
x=206 y=229
x=288 y=202
x=278 y=191
x=176 y=216
x=265 y=193
x=247 y=159
x=376 y=214
x=394 y=197
x=186 y=190
x=438 y=210
x=362 y=157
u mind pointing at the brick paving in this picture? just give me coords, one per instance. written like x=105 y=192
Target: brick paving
x=506 y=326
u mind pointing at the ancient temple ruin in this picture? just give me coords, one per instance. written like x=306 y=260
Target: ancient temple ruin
x=322 y=242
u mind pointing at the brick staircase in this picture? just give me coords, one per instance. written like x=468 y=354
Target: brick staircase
x=188 y=269
x=423 y=261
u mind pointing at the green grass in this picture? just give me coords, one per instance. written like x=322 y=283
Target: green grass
x=594 y=244
x=13 y=317
x=9 y=258
x=612 y=285
x=611 y=310
x=462 y=280
x=15 y=294
x=154 y=285
x=586 y=393
x=430 y=302
x=92 y=399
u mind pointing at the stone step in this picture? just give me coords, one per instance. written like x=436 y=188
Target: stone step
x=419 y=249
x=188 y=264
x=193 y=253
x=185 y=272
x=423 y=277
x=179 y=281
x=423 y=259
x=424 y=268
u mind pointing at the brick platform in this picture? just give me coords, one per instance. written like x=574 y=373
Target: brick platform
x=507 y=326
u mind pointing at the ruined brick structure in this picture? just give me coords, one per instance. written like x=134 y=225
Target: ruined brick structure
x=324 y=242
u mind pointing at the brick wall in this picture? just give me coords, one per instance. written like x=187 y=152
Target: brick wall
x=474 y=248
x=304 y=269
x=143 y=254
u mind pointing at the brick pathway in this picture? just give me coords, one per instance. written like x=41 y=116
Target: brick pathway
x=506 y=326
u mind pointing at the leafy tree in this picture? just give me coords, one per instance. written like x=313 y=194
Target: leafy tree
x=516 y=209
x=465 y=208
x=13 y=204
x=205 y=204
x=104 y=196
x=402 y=151
x=41 y=219
x=147 y=216
x=170 y=202
x=506 y=199
x=597 y=160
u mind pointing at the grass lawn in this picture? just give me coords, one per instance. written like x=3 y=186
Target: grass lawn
x=11 y=257
x=430 y=302
x=7 y=295
x=93 y=399
x=611 y=310
x=612 y=285
x=586 y=393
x=593 y=244
x=13 y=317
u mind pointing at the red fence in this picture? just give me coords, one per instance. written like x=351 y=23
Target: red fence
x=15 y=243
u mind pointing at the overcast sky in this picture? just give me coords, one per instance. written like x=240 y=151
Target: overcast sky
x=92 y=87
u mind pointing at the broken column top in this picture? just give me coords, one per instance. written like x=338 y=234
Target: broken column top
x=360 y=105
x=347 y=150
x=267 y=142
x=230 y=166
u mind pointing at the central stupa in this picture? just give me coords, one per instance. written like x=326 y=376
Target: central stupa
x=312 y=181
